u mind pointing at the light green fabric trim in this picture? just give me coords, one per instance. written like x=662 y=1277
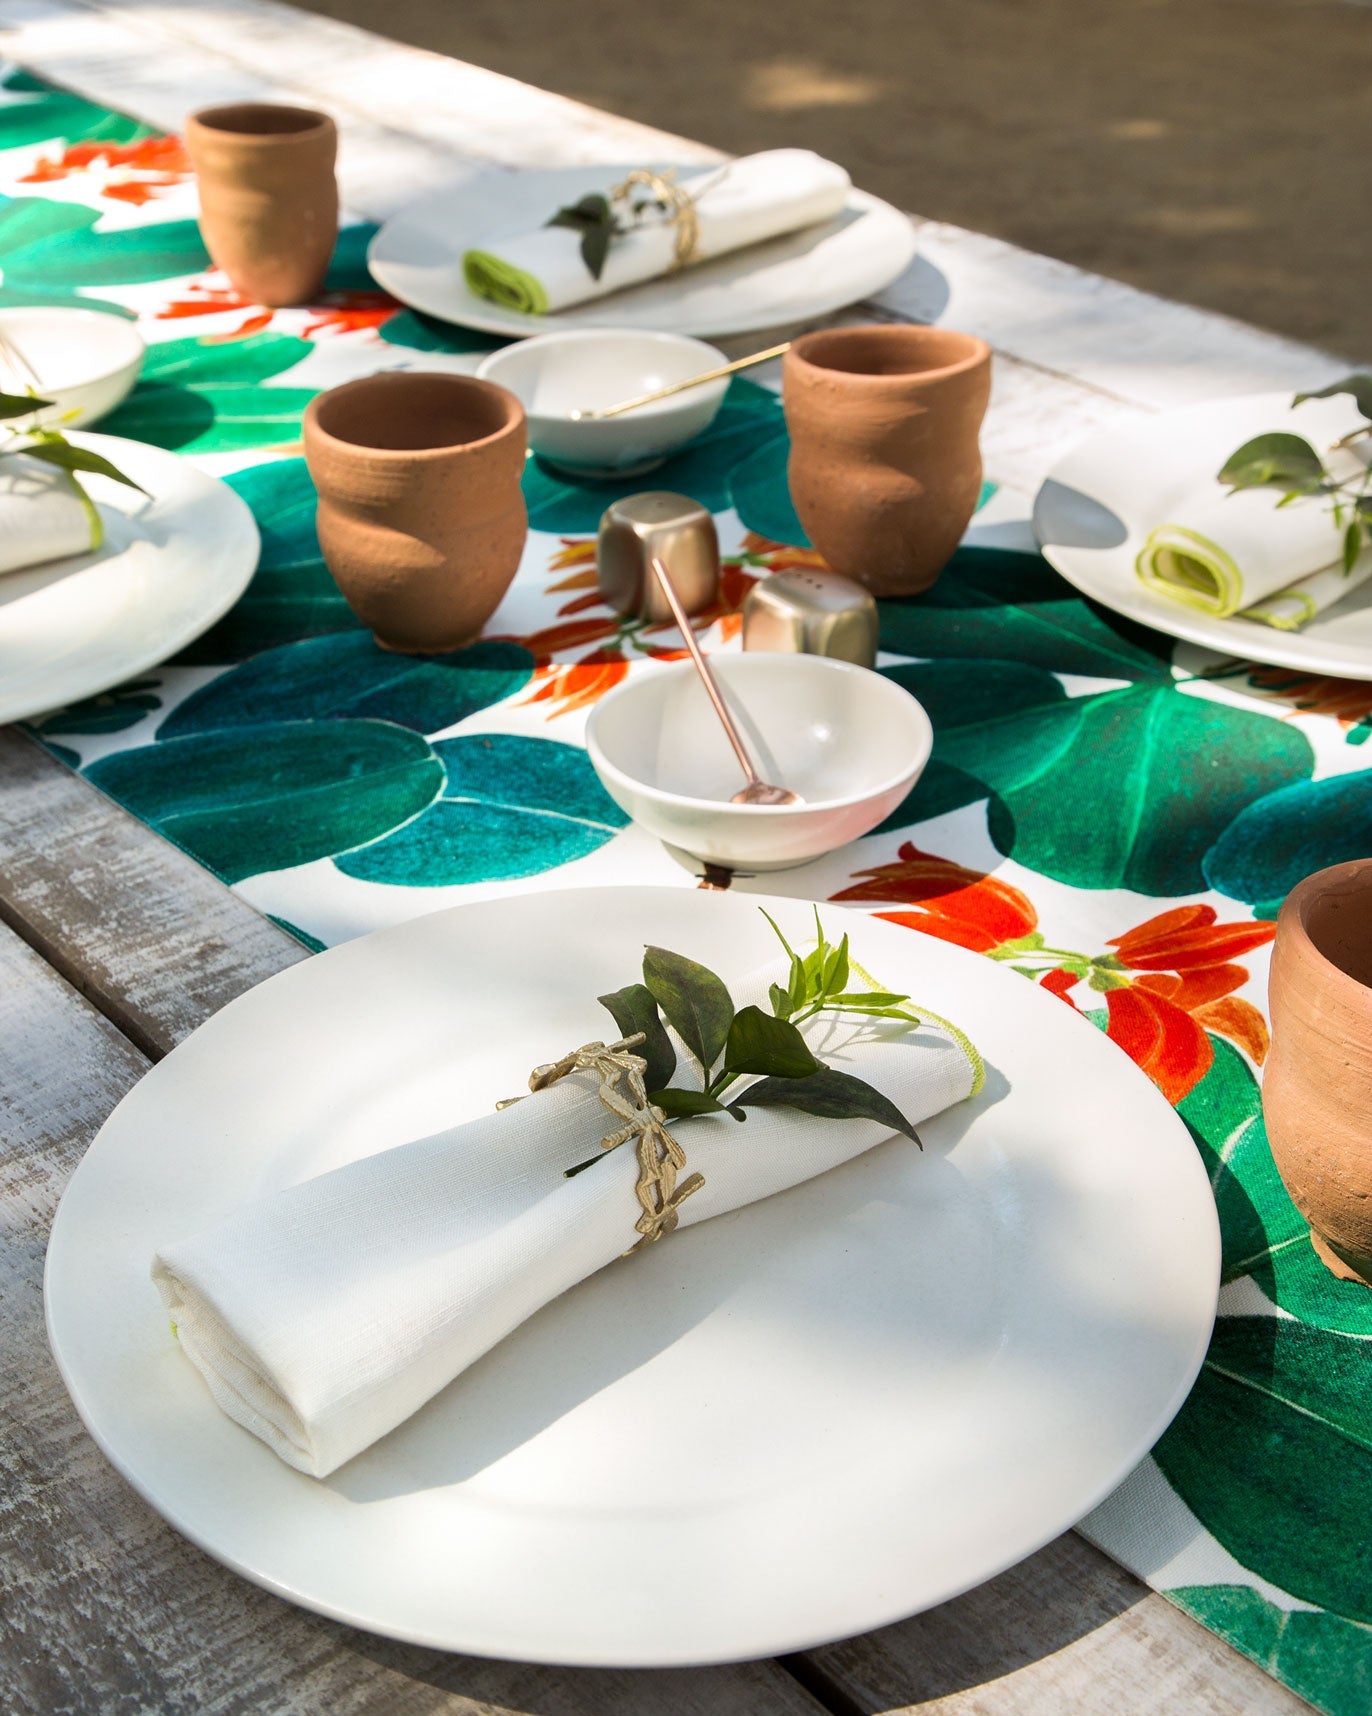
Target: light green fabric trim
x=963 y=1041
x=490 y=276
x=1189 y=568
x=1300 y=612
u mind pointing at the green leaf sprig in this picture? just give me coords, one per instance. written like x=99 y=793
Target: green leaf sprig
x=1288 y=462
x=598 y=221
x=51 y=445
x=730 y=1044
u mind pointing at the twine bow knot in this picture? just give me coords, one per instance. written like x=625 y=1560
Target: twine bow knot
x=624 y=1094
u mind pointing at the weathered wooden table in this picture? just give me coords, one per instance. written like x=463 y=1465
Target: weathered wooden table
x=114 y=945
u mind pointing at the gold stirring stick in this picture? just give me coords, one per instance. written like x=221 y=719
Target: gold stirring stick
x=682 y=386
x=757 y=791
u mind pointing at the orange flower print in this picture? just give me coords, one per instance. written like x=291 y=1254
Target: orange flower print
x=953 y=903
x=1348 y=700
x=1168 y=984
x=578 y=684
x=335 y=313
x=125 y=172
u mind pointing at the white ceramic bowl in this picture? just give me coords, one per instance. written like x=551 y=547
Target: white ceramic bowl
x=86 y=361
x=553 y=375
x=851 y=743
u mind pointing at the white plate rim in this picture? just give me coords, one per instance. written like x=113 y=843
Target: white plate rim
x=777 y=1642
x=491 y=319
x=1246 y=640
x=145 y=461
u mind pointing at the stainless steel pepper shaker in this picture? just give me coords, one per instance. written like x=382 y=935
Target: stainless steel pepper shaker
x=812 y=613
x=679 y=531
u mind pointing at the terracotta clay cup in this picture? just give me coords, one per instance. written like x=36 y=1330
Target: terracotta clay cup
x=268 y=197
x=885 y=467
x=1317 y=1085
x=421 y=516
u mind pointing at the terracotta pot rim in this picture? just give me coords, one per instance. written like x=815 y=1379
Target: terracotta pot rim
x=978 y=352
x=1292 y=920
x=514 y=418
x=204 y=120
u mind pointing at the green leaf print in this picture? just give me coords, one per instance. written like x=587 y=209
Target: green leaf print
x=1323 y=1657
x=1273 y=1454
x=1264 y=1234
x=511 y=806
x=209 y=396
x=52 y=247
x=761 y=495
x=425 y=334
x=35 y=112
x=1118 y=789
x=349 y=676
x=565 y=506
x=999 y=602
x=108 y=712
x=265 y=798
x=1268 y=848
x=292 y=594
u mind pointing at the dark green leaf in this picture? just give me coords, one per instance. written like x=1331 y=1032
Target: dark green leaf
x=759 y=1043
x=693 y=1001
x=633 y=1009
x=1352 y=545
x=833 y=1095
x=1360 y=386
x=68 y=458
x=595 y=247
x=1277 y=460
x=680 y=1104
x=20 y=404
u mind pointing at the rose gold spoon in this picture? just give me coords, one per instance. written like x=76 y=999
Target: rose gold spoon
x=757 y=791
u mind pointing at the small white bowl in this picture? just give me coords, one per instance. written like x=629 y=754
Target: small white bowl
x=86 y=361
x=553 y=375
x=851 y=743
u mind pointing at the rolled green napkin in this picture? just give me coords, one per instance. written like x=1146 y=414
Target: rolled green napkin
x=1242 y=553
x=43 y=515
x=743 y=202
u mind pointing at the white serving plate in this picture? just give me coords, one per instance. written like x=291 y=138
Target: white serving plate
x=793 y=1423
x=1100 y=502
x=417 y=257
x=172 y=563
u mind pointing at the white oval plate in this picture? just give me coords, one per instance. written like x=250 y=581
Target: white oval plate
x=1099 y=503
x=790 y=1424
x=417 y=257
x=173 y=562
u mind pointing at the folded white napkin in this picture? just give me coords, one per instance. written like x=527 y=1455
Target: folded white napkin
x=325 y=1315
x=740 y=203
x=43 y=515
x=1226 y=554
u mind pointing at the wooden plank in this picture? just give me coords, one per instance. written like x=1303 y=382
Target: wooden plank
x=106 y=1608
x=151 y=938
x=1066 y=1633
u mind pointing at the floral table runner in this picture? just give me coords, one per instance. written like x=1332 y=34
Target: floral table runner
x=1115 y=817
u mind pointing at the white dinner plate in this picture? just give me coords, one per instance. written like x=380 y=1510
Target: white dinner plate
x=1100 y=502
x=417 y=257
x=792 y=1423
x=173 y=562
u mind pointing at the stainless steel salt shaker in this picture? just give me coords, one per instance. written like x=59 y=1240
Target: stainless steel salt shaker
x=679 y=531
x=812 y=613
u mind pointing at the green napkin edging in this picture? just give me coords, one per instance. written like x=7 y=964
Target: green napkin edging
x=490 y=276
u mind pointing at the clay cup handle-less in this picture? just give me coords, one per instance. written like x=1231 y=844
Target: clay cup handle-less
x=268 y=196
x=1317 y=1084
x=885 y=465
x=421 y=515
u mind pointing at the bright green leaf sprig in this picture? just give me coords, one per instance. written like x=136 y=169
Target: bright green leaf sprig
x=1288 y=462
x=730 y=1044
x=52 y=446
